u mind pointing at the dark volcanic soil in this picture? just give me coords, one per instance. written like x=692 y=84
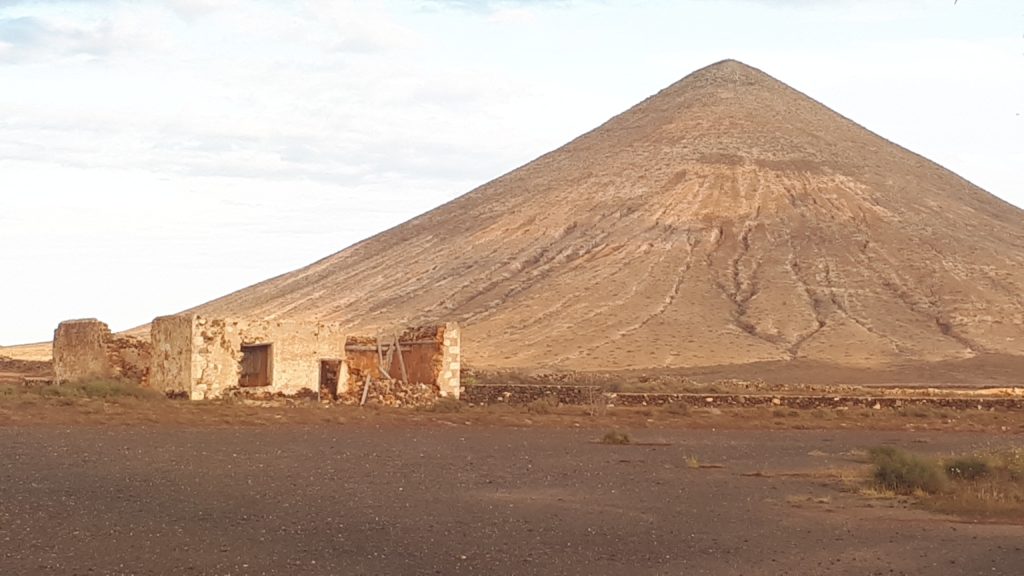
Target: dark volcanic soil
x=454 y=500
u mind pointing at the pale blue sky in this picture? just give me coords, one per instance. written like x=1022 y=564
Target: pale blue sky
x=154 y=155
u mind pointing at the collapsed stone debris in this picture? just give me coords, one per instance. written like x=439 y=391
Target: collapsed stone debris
x=202 y=358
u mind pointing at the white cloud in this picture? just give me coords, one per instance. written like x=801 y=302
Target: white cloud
x=513 y=16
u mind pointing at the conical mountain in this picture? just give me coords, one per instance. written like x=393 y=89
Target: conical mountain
x=728 y=219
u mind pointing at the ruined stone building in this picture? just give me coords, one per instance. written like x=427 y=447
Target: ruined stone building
x=197 y=357
x=84 y=349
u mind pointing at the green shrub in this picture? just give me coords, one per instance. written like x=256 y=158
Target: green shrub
x=905 y=473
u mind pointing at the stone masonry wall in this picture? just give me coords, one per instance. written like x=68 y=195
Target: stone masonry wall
x=431 y=358
x=449 y=379
x=131 y=357
x=200 y=358
x=171 y=367
x=79 y=351
x=517 y=395
x=296 y=350
x=84 y=349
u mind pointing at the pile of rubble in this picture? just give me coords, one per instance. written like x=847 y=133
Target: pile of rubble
x=387 y=392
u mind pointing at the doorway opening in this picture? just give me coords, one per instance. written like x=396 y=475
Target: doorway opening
x=330 y=374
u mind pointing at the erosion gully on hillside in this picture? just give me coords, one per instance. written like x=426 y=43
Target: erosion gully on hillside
x=726 y=220
x=451 y=499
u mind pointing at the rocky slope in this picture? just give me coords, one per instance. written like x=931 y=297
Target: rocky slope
x=728 y=219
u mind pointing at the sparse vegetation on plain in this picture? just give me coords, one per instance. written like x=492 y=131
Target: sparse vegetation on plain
x=904 y=473
x=977 y=485
x=99 y=388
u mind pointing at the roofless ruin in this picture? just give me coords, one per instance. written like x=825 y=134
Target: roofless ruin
x=198 y=357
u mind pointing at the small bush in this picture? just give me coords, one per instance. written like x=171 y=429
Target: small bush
x=986 y=485
x=905 y=473
x=615 y=437
x=968 y=468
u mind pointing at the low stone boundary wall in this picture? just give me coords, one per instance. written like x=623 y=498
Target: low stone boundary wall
x=581 y=395
x=519 y=394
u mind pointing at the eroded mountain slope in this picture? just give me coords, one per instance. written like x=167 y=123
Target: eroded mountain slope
x=728 y=219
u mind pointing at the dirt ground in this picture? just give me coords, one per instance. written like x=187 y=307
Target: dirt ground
x=13 y=371
x=440 y=497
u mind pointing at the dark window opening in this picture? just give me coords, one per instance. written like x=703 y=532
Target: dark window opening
x=255 y=366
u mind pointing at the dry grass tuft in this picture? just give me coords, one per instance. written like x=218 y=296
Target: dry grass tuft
x=96 y=388
x=987 y=485
x=615 y=437
x=905 y=473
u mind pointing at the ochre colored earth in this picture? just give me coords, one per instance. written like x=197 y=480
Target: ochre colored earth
x=727 y=223
x=727 y=220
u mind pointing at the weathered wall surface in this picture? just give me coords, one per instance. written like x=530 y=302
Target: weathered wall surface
x=131 y=357
x=171 y=367
x=84 y=349
x=79 y=351
x=431 y=359
x=449 y=379
x=296 y=351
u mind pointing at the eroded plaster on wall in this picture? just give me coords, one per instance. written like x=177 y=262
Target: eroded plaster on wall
x=430 y=355
x=171 y=369
x=79 y=351
x=84 y=349
x=202 y=356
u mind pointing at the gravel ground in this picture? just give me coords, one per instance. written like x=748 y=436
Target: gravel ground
x=345 y=499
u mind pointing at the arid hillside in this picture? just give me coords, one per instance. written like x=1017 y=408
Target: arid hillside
x=728 y=219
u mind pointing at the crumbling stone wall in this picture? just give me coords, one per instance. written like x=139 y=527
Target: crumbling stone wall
x=517 y=395
x=171 y=369
x=79 y=351
x=131 y=357
x=203 y=355
x=430 y=356
x=201 y=358
x=84 y=349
